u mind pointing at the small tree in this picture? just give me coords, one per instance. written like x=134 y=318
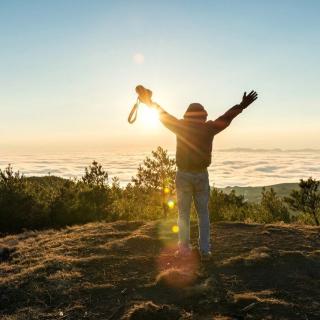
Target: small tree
x=64 y=208
x=306 y=199
x=95 y=176
x=95 y=195
x=10 y=180
x=157 y=174
x=273 y=207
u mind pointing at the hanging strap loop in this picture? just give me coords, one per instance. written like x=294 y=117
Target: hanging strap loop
x=134 y=112
x=144 y=96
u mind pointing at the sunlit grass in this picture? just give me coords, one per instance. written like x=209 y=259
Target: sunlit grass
x=103 y=259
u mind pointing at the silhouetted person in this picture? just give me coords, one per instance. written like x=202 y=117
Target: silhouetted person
x=193 y=156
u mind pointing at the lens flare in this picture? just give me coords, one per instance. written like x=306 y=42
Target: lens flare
x=166 y=190
x=171 y=204
x=177 y=272
x=175 y=229
x=138 y=58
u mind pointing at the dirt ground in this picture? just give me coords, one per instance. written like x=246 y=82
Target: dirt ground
x=127 y=270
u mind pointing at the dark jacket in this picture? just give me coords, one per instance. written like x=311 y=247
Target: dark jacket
x=195 y=137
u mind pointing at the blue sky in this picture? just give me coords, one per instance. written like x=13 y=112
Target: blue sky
x=68 y=70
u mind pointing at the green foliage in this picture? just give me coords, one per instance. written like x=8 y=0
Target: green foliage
x=94 y=196
x=63 y=208
x=232 y=207
x=18 y=207
x=136 y=203
x=157 y=172
x=272 y=207
x=226 y=206
x=95 y=176
x=53 y=202
x=156 y=176
x=83 y=201
x=307 y=199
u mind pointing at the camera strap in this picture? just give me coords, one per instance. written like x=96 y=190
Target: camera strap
x=134 y=112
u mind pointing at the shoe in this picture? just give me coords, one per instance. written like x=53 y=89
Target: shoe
x=183 y=252
x=205 y=256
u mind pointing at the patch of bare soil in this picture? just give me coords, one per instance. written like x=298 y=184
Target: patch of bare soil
x=128 y=270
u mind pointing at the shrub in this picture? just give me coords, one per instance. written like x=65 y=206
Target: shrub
x=18 y=207
x=306 y=200
x=156 y=177
x=273 y=208
x=224 y=206
x=36 y=203
x=83 y=201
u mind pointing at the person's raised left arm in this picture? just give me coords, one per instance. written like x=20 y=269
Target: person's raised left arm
x=224 y=121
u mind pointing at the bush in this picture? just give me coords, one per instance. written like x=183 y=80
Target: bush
x=83 y=201
x=36 y=203
x=273 y=208
x=306 y=200
x=135 y=202
x=223 y=206
x=18 y=206
x=231 y=207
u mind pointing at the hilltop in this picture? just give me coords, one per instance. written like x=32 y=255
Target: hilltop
x=126 y=270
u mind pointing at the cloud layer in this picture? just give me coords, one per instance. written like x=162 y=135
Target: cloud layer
x=229 y=168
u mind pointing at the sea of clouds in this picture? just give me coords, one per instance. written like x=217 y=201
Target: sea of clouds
x=237 y=167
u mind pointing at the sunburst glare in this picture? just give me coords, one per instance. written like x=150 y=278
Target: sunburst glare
x=148 y=117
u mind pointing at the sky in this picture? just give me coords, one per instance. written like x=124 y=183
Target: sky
x=68 y=70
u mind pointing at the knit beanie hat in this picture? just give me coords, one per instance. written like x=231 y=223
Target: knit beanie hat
x=195 y=110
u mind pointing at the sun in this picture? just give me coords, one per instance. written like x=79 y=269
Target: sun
x=148 y=117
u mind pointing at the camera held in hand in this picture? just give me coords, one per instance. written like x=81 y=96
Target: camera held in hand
x=144 y=96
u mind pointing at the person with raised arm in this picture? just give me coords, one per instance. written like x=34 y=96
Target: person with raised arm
x=193 y=156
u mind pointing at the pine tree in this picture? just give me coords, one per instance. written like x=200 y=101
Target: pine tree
x=306 y=199
x=157 y=174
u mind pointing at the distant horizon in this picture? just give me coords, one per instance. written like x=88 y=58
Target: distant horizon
x=146 y=149
x=230 y=167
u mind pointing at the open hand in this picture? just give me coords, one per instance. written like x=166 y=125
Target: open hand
x=248 y=99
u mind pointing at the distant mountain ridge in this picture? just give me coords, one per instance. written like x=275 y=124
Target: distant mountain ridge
x=266 y=150
x=253 y=194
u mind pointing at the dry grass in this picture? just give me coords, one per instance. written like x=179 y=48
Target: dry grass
x=127 y=270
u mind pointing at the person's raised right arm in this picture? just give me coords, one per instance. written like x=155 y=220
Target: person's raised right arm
x=169 y=121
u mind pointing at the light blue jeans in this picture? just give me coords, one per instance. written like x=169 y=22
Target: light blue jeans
x=194 y=186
